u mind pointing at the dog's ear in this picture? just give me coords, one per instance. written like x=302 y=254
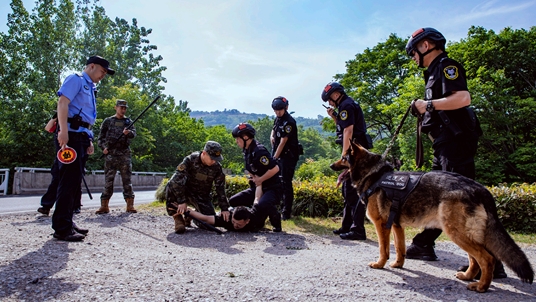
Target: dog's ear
x=355 y=146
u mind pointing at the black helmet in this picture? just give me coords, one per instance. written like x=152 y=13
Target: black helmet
x=244 y=128
x=425 y=33
x=330 y=88
x=279 y=103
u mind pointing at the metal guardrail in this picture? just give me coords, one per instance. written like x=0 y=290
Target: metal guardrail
x=4 y=181
x=94 y=172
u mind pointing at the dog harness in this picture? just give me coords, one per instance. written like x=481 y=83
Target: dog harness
x=397 y=186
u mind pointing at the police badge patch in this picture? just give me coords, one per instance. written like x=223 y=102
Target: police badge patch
x=343 y=115
x=264 y=160
x=288 y=128
x=181 y=167
x=451 y=72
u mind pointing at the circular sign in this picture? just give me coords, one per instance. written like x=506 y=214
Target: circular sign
x=67 y=155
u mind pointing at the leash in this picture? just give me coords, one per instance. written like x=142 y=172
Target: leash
x=384 y=155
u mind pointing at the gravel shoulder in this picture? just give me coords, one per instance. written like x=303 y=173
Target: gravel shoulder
x=138 y=257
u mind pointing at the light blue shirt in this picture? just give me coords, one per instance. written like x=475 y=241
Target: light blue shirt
x=80 y=90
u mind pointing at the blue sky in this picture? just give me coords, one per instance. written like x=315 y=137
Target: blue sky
x=240 y=54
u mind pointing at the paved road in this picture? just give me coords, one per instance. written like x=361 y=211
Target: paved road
x=26 y=203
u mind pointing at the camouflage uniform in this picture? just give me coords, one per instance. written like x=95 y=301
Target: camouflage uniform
x=118 y=157
x=192 y=183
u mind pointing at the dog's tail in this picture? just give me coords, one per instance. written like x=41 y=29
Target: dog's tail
x=504 y=248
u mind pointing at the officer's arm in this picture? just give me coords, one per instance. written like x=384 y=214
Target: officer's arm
x=347 y=137
x=63 y=114
x=456 y=100
x=267 y=175
x=272 y=138
x=205 y=218
x=280 y=148
x=102 y=134
x=132 y=133
x=219 y=184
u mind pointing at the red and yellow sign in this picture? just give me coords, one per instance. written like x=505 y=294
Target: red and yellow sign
x=67 y=155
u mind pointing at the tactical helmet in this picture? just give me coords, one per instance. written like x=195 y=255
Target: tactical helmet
x=279 y=103
x=244 y=129
x=329 y=89
x=425 y=33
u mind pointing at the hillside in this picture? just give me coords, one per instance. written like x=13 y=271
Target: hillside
x=233 y=117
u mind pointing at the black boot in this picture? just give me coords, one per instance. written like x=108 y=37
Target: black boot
x=421 y=252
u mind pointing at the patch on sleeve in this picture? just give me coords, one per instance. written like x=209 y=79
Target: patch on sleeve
x=343 y=115
x=451 y=72
x=264 y=160
x=181 y=167
x=288 y=128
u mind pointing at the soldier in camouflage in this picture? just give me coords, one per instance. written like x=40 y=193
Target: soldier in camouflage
x=192 y=183
x=117 y=156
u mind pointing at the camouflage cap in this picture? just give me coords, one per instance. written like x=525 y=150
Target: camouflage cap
x=214 y=150
x=121 y=103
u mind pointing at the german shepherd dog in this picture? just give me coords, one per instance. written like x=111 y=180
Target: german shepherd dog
x=464 y=209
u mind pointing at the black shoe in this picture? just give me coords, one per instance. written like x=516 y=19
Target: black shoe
x=498 y=271
x=421 y=253
x=44 y=210
x=277 y=230
x=71 y=237
x=76 y=211
x=340 y=231
x=80 y=230
x=352 y=236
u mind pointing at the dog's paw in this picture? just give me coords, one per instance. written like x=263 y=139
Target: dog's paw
x=396 y=264
x=375 y=265
x=477 y=287
x=463 y=276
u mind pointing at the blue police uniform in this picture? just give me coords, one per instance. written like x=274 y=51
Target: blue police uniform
x=80 y=90
x=350 y=114
x=257 y=162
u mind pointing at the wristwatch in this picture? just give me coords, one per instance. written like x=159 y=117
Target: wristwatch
x=429 y=106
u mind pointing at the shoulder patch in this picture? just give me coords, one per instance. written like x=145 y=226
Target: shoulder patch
x=451 y=72
x=264 y=160
x=343 y=115
x=288 y=128
x=181 y=167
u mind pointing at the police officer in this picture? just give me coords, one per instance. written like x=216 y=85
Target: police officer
x=448 y=121
x=264 y=172
x=192 y=183
x=285 y=150
x=350 y=125
x=77 y=111
x=114 y=140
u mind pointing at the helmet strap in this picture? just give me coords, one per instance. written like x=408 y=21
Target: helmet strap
x=421 y=55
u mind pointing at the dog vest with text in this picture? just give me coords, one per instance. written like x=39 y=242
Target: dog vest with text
x=397 y=186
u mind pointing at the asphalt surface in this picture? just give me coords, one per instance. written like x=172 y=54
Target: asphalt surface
x=12 y=204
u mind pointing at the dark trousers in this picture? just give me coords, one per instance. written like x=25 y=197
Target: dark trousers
x=455 y=157
x=267 y=206
x=353 y=215
x=48 y=200
x=70 y=178
x=287 y=166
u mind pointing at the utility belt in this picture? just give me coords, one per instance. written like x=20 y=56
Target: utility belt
x=76 y=123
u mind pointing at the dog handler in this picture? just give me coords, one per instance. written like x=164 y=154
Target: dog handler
x=448 y=121
x=350 y=125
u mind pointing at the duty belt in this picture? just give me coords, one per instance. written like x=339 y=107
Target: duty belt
x=82 y=124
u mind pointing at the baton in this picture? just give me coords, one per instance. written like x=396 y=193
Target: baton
x=87 y=188
x=208 y=226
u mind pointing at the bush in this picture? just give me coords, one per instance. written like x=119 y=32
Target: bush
x=312 y=169
x=516 y=206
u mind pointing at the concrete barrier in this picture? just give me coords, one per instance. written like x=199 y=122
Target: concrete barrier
x=36 y=180
x=4 y=181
